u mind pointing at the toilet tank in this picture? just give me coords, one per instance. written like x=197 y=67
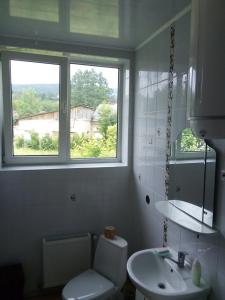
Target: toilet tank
x=111 y=259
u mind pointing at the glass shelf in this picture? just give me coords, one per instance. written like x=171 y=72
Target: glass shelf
x=177 y=216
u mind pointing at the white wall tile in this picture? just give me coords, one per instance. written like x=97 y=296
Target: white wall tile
x=182 y=38
x=209 y=249
x=164 y=57
x=217 y=292
x=152 y=50
x=174 y=236
x=35 y=204
x=152 y=98
x=162 y=96
x=208 y=255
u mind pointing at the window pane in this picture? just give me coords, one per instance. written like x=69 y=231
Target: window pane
x=93 y=113
x=188 y=142
x=35 y=105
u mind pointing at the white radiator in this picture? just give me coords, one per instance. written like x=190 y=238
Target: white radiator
x=65 y=257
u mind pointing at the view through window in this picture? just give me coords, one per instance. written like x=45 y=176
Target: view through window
x=36 y=114
x=189 y=143
x=188 y=146
x=93 y=113
x=35 y=107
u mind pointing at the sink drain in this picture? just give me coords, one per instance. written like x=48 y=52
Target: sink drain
x=161 y=285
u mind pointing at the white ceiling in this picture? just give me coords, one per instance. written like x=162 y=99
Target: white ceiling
x=120 y=24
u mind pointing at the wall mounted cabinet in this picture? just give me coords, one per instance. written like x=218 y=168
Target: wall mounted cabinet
x=206 y=90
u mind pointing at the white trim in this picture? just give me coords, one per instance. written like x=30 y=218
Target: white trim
x=120 y=103
x=118 y=158
x=7 y=133
x=99 y=63
x=178 y=155
x=30 y=57
x=45 y=167
x=1 y=113
x=9 y=157
x=64 y=113
x=182 y=13
x=78 y=48
x=64 y=116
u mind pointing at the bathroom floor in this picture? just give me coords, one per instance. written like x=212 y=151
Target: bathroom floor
x=128 y=293
x=57 y=296
x=47 y=297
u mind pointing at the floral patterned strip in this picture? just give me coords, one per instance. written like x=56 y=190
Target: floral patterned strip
x=169 y=124
x=169 y=109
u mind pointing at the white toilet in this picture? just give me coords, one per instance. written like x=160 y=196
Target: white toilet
x=107 y=276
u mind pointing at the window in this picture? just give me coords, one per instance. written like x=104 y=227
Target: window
x=35 y=108
x=188 y=146
x=56 y=110
x=93 y=111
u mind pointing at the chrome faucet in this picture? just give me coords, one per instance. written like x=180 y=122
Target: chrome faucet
x=180 y=258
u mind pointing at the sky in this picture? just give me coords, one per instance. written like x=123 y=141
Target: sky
x=34 y=73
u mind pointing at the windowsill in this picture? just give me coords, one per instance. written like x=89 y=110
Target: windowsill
x=63 y=166
x=189 y=161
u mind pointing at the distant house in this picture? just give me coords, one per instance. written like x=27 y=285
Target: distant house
x=83 y=120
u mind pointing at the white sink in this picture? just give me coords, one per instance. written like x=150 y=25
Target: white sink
x=161 y=279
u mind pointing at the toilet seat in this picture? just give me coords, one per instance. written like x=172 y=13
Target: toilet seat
x=88 y=285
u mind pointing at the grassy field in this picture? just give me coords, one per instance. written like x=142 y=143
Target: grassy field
x=32 y=152
x=103 y=154
x=74 y=153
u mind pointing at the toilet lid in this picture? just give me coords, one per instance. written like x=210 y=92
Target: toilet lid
x=87 y=285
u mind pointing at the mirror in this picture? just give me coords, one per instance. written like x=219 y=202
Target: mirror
x=192 y=176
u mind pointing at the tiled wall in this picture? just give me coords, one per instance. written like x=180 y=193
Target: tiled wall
x=152 y=65
x=34 y=204
x=37 y=203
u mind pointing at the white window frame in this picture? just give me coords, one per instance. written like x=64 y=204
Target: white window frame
x=177 y=154
x=63 y=156
x=118 y=158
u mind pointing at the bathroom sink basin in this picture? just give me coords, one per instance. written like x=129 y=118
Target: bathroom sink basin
x=161 y=279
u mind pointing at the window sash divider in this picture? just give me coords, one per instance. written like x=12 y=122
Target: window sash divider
x=64 y=119
x=120 y=114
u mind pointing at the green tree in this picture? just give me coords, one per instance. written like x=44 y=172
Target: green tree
x=49 y=105
x=188 y=142
x=49 y=142
x=92 y=148
x=26 y=104
x=34 y=142
x=89 y=88
x=107 y=117
x=112 y=137
x=29 y=103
